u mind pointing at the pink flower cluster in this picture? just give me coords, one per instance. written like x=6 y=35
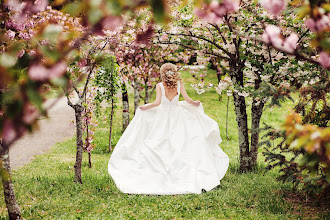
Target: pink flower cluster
x=273 y=36
x=318 y=25
x=10 y=34
x=11 y=130
x=273 y=6
x=324 y=59
x=39 y=72
x=215 y=11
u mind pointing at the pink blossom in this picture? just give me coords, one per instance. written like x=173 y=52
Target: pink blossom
x=324 y=59
x=20 y=53
x=10 y=34
x=290 y=43
x=39 y=5
x=31 y=52
x=111 y=22
x=16 y=25
x=272 y=35
x=24 y=36
x=8 y=131
x=310 y=23
x=31 y=113
x=215 y=11
x=82 y=62
x=164 y=37
x=273 y=6
x=41 y=73
x=322 y=23
x=45 y=42
x=231 y=5
x=218 y=8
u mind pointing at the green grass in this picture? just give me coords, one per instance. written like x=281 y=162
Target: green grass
x=45 y=187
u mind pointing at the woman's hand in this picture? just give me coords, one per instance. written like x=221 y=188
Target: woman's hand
x=143 y=107
x=196 y=103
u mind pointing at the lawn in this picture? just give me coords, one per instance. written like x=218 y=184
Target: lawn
x=45 y=187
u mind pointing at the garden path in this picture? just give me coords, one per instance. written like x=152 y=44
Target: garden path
x=52 y=129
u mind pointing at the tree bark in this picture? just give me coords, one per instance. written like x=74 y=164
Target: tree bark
x=87 y=140
x=125 y=107
x=90 y=159
x=77 y=166
x=227 y=117
x=136 y=94
x=111 y=119
x=146 y=89
x=236 y=74
x=8 y=187
x=256 y=113
x=243 y=135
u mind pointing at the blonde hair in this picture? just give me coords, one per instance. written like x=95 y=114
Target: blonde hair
x=170 y=75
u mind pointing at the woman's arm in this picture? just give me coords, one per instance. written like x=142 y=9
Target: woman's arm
x=156 y=102
x=186 y=97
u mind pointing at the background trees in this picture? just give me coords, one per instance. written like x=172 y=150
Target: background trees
x=268 y=56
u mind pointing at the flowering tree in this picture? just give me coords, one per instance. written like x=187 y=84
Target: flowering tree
x=107 y=82
x=84 y=68
x=309 y=165
x=228 y=32
x=27 y=65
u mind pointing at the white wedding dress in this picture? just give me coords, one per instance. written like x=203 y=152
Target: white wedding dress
x=170 y=149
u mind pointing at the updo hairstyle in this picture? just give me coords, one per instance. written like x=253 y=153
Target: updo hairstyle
x=170 y=75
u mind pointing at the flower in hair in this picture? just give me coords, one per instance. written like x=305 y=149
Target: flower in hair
x=169 y=72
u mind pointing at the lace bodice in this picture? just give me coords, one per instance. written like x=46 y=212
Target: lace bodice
x=165 y=101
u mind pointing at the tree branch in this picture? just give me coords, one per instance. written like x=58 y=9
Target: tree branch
x=205 y=39
x=295 y=53
x=219 y=31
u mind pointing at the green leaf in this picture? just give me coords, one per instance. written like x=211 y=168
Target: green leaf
x=74 y=8
x=33 y=95
x=52 y=32
x=94 y=15
x=7 y=60
x=159 y=10
x=325 y=43
x=53 y=55
x=60 y=82
x=326 y=7
x=302 y=11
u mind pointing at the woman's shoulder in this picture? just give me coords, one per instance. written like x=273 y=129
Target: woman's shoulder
x=159 y=85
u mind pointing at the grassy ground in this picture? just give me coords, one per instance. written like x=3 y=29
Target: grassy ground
x=45 y=187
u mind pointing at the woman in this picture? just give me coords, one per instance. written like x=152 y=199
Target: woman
x=170 y=147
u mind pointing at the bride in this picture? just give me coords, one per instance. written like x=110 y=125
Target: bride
x=170 y=147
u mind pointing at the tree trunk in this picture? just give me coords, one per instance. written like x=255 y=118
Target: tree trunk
x=8 y=187
x=146 y=89
x=219 y=79
x=125 y=107
x=87 y=141
x=136 y=94
x=243 y=135
x=77 y=166
x=236 y=74
x=256 y=112
x=111 y=119
x=227 y=117
x=90 y=159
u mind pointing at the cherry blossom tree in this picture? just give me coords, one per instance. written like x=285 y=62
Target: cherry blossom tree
x=228 y=33
x=84 y=68
x=108 y=84
x=33 y=55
